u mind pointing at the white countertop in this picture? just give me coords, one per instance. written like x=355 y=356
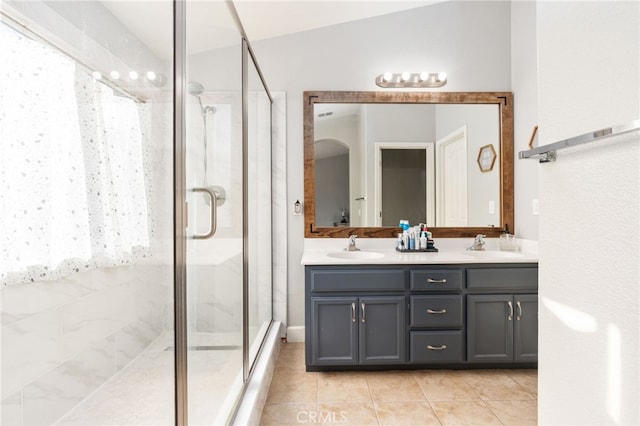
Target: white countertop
x=450 y=251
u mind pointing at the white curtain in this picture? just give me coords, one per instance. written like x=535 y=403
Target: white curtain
x=72 y=191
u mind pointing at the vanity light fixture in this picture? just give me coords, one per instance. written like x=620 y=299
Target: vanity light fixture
x=406 y=79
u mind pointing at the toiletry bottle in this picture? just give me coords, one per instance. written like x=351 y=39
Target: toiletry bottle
x=423 y=240
x=399 y=244
x=412 y=240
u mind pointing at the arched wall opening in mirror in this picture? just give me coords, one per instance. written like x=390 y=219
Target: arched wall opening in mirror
x=457 y=124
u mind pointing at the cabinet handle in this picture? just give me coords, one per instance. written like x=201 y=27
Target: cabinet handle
x=510 y=311
x=353 y=312
x=437 y=348
x=363 y=313
x=441 y=311
x=432 y=281
x=519 y=316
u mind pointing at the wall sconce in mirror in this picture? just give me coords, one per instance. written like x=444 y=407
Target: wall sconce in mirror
x=407 y=79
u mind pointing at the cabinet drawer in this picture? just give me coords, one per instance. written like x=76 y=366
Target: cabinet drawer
x=502 y=278
x=436 y=279
x=350 y=280
x=436 y=311
x=436 y=346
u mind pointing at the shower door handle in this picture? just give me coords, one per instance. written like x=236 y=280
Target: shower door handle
x=214 y=214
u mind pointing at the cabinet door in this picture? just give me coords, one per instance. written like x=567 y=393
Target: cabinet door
x=382 y=330
x=526 y=327
x=334 y=330
x=490 y=328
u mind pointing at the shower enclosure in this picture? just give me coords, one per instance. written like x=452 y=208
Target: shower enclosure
x=135 y=212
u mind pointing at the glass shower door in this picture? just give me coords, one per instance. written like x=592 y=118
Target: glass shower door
x=214 y=195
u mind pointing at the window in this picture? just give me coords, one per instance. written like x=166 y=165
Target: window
x=72 y=190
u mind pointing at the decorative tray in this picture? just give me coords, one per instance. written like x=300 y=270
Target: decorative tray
x=427 y=250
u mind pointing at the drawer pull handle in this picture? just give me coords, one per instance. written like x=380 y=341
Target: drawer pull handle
x=363 y=314
x=441 y=311
x=432 y=281
x=510 y=311
x=437 y=348
x=353 y=312
x=519 y=316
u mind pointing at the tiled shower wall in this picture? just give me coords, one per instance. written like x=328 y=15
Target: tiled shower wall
x=62 y=339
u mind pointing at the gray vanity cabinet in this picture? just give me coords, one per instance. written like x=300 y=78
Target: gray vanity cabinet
x=502 y=322
x=358 y=330
x=334 y=333
x=420 y=316
x=436 y=315
x=356 y=316
x=526 y=328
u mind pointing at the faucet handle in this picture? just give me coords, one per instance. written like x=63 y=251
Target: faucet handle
x=352 y=243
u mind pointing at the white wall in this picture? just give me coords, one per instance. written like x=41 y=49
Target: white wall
x=589 y=72
x=524 y=66
x=468 y=40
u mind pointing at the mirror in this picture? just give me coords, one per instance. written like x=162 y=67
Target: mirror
x=455 y=149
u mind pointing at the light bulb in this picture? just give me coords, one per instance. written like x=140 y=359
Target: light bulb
x=405 y=76
x=442 y=76
x=97 y=75
x=424 y=76
x=387 y=76
x=151 y=75
x=114 y=75
x=133 y=75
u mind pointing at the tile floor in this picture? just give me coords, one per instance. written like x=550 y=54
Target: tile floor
x=418 y=397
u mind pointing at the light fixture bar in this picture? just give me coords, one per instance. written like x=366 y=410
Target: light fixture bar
x=416 y=79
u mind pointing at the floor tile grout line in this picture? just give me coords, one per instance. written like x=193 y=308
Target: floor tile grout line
x=427 y=398
x=373 y=401
x=494 y=413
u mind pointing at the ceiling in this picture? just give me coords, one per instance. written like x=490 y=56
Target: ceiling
x=267 y=18
x=261 y=19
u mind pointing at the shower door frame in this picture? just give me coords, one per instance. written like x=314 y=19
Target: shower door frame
x=180 y=208
x=179 y=211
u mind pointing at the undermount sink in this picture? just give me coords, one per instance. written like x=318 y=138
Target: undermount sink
x=492 y=254
x=361 y=254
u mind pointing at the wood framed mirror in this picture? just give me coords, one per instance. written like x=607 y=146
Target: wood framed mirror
x=340 y=203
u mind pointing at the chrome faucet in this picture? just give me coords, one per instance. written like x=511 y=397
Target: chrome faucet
x=352 y=243
x=478 y=243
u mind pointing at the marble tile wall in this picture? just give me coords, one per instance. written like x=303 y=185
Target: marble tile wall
x=63 y=339
x=215 y=296
x=280 y=207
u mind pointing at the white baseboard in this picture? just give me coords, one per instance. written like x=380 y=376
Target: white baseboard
x=295 y=334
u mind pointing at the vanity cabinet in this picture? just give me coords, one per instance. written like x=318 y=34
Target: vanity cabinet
x=436 y=318
x=416 y=316
x=502 y=319
x=356 y=317
x=357 y=330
